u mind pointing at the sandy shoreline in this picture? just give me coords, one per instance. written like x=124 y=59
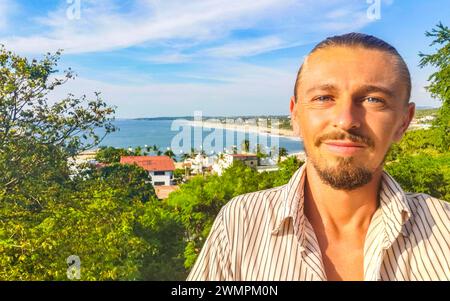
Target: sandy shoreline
x=246 y=128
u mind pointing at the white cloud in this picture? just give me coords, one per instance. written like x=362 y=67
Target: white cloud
x=246 y=48
x=232 y=50
x=245 y=88
x=169 y=58
x=102 y=27
x=7 y=7
x=105 y=25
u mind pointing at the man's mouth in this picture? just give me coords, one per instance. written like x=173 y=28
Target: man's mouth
x=343 y=147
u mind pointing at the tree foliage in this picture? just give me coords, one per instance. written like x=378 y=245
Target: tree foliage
x=423 y=173
x=35 y=136
x=439 y=81
x=115 y=237
x=109 y=154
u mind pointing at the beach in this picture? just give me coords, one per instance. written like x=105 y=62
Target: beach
x=248 y=128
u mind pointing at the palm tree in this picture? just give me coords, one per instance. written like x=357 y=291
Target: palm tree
x=170 y=154
x=138 y=151
x=282 y=152
x=234 y=149
x=185 y=156
x=193 y=153
x=156 y=150
x=246 y=145
x=260 y=153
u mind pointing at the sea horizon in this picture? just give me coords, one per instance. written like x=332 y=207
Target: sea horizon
x=134 y=133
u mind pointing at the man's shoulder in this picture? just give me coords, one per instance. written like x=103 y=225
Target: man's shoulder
x=427 y=207
x=423 y=198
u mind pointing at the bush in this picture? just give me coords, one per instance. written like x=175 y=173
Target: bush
x=423 y=173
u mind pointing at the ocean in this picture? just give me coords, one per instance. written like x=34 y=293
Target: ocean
x=173 y=134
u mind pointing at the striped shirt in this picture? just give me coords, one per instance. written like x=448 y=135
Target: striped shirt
x=265 y=235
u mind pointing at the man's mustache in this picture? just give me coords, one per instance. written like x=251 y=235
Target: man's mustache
x=356 y=138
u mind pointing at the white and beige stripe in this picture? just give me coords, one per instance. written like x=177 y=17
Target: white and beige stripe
x=264 y=235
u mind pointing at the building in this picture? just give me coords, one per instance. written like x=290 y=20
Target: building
x=226 y=160
x=160 y=168
x=80 y=162
x=200 y=164
x=251 y=160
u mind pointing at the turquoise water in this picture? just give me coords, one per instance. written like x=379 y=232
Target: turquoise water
x=133 y=133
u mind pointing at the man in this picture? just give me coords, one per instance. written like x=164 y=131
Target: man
x=340 y=217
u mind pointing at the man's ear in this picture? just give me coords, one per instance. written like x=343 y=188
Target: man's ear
x=407 y=117
x=293 y=108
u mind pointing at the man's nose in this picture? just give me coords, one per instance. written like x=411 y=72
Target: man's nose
x=347 y=115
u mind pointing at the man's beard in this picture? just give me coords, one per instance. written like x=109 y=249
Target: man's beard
x=346 y=174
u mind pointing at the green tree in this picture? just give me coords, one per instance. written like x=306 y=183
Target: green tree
x=245 y=145
x=171 y=154
x=423 y=173
x=156 y=150
x=260 y=153
x=193 y=153
x=282 y=152
x=185 y=156
x=116 y=238
x=36 y=136
x=138 y=151
x=109 y=154
x=134 y=180
x=439 y=86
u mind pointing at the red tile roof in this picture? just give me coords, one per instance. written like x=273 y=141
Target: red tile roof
x=150 y=163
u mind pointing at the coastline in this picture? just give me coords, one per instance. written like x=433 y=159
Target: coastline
x=289 y=134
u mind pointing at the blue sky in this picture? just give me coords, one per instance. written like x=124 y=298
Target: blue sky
x=223 y=57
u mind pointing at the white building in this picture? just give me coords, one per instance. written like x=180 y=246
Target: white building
x=200 y=163
x=226 y=160
x=160 y=168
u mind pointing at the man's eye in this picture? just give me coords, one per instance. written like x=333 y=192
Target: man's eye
x=322 y=98
x=374 y=100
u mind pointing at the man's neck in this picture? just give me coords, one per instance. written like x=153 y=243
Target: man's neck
x=340 y=220
x=340 y=209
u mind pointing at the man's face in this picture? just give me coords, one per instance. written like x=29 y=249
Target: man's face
x=351 y=106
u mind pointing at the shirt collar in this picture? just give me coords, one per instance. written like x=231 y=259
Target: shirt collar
x=395 y=208
x=393 y=203
x=292 y=206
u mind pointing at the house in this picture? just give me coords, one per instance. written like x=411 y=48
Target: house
x=160 y=168
x=226 y=160
x=251 y=160
x=200 y=164
x=79 y=163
